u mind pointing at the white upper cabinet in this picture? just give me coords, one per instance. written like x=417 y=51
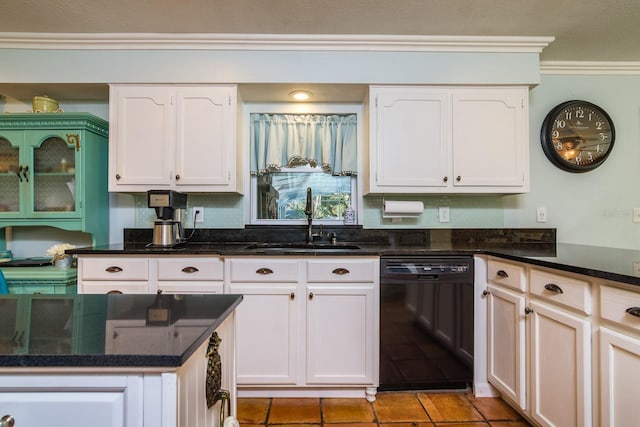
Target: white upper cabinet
x=448 y=140
x=173 y=137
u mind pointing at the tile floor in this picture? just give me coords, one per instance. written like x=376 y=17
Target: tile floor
x=391 y=409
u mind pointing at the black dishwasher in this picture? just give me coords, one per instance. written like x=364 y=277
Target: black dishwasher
x=426 y=322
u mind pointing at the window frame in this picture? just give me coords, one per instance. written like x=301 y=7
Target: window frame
x=250 y=186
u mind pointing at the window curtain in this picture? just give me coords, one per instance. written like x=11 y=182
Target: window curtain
x=292 y=140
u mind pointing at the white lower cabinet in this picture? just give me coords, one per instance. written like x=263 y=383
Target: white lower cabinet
x=267 y=334
x=539 y=342
x=506 y=334
x=306 y=325
x=140 y=274
x=119 y=397
x=560 y=349
x=339 y=331
x=619 y=356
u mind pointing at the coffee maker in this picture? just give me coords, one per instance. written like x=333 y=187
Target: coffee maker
x=170 y=207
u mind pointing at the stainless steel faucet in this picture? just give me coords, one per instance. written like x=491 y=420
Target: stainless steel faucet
x=308 y=211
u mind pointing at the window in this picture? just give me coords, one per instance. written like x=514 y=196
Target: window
x=283 y=195
x=292 y=152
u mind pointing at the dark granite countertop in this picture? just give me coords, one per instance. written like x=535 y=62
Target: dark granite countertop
x=535 y=246
x=70 y=330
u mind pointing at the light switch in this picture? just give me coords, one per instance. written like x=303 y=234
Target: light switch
x=443 y=214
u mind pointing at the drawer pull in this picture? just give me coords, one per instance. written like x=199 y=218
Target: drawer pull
x=7 y=421
x=114 y=292
x=634 y=311
x=113 y=269
x=264 y=271
x=341 y=271
x=552 y=287
x=501 y=273
x=190 y=270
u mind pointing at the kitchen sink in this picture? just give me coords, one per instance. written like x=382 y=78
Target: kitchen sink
x=301 y=247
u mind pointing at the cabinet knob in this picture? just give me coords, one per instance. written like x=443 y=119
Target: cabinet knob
x=634 y=311
x=552 y=287
x=113 y=269
x=458 y=178
x=190 y=270
x=264 y=271
x=501 y=273
x=310 y=295
x=341 y=271
x=485 y=293
x=445 y=179
x=177 y=177
x=118 y=176
x=528 y=310
x=292 y=296
x=7 y=421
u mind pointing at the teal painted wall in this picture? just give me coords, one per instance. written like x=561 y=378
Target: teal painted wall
x=593 y=207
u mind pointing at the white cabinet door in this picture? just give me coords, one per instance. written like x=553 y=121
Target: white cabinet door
x=142 y=134
x=489 y=138
x=560 y=367
x=448 y=140
x=506 y=343
x=619 y=378
x=340 y=334
x=267 y=327
x=409 y=139
x=172 y=136
x=205 y=144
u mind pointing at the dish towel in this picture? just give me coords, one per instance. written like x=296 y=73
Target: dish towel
x=4 y=289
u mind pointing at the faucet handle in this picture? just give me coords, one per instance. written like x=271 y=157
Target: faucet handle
x=332 y=238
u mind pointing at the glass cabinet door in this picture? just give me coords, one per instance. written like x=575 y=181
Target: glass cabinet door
x=10 y=173
x=54 y=174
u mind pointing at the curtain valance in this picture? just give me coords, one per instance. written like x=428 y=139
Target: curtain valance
x=291 y=140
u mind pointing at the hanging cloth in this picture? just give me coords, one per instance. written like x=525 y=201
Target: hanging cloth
x=314 y=140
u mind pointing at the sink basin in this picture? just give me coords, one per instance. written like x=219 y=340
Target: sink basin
x=301 y=246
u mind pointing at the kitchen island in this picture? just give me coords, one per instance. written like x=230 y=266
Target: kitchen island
x=115 y=360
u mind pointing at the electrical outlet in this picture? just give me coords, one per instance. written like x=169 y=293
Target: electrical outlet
x=636 y=268
x=198 y=214
x=636 y=216
x=541 y=214
x=443 y=214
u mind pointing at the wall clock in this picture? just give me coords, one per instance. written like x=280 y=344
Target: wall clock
x=577 y=136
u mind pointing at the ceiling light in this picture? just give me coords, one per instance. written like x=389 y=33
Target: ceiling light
x=300 y=95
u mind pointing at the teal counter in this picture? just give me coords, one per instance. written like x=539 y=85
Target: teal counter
x=44 y=280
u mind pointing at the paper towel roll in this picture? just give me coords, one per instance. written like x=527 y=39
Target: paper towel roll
x=399 y=209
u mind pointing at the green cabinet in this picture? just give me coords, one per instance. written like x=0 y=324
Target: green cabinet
x=53 y=171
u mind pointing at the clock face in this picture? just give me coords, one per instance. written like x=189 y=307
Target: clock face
x=577 y=136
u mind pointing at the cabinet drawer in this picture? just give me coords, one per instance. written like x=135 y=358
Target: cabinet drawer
x=350 y=270
x=114 y=287
x=563 y=290
x=114 y=268
x=614 y=303
x=190 y=268
x=506 y=274
x=263 y=270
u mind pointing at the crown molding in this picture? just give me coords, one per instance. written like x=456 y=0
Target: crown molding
x=590 y=68
x=293 y=42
